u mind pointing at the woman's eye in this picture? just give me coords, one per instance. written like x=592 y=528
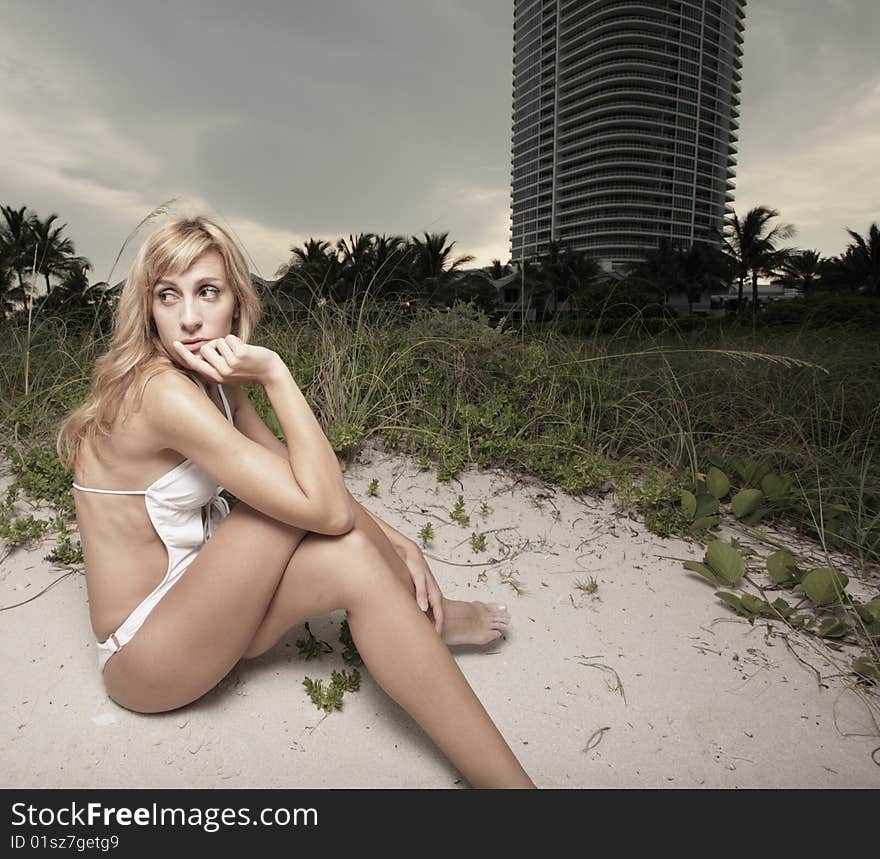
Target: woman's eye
x=215 y=291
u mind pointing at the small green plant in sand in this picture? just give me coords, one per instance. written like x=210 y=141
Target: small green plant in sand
x=40 y=476
x=330 y=699
x=458 y=514
x=478 y=542
x=824 y=609
x=426 y=533
x=657 y=501
x=18 y=530
x=311 y=647
x=511 y=581
x=485 y=509
x=65 y=552
x=589 y=587
x=373 y=488
x=22 y=531
x=349 y=650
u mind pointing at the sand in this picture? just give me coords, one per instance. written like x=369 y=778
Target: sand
x=649 y=681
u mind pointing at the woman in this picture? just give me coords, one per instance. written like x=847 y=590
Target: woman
x=296 y=544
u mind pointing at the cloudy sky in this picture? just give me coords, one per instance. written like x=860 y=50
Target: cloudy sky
x=286 y=119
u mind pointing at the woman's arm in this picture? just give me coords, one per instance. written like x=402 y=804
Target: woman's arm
x=309 y=452
x=428 y=594
x=293 y=489
x=248 y=422
x=402 y=545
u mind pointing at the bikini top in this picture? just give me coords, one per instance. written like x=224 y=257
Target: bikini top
x=173 y=498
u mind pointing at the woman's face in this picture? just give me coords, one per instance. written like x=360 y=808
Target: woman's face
x=196 y=305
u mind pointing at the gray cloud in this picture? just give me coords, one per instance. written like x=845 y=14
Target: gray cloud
x=291 y=119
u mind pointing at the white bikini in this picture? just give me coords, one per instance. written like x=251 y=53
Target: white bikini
x=185 y=507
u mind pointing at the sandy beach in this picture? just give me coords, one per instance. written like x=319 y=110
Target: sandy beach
x=649 y=681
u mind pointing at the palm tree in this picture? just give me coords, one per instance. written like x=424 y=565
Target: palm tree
x=7 y=292
x=754 y=251
x=567 y=274
x=866 y=256
x=693 y=270
x=356 y=262
x=843 y=272
x=17 y=240
x=801 y=271
x=498 y=271
x=313 y=268
x=314 y=253
x=657 y=275
x=391 y=260
x=55 y=256
x=73 y=297
x=702 y=268
x=432 y=263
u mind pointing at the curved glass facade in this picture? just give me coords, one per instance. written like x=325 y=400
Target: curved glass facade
x=624 y=123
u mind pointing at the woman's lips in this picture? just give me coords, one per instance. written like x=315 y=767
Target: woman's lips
x=194 y=347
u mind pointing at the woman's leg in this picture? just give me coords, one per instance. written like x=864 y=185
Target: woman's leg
x=207 y=621
x=421 y=675
x=465 y=622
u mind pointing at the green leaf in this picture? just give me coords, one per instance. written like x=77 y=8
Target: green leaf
x=751 y=472
x=775 y=487
x=823 y=584
x=707 y=505
x=746 y=501
x=867 y=667
x=732 y=600
x=742 y=548
x=755 y=516
x=717 y=482
x=688 y=503
x=782 y=607
x=833 y=627
x=869 y=611
x=781 y=565
x=703 y=570
x=755 y=605
x=725 y=561
x=703 y=523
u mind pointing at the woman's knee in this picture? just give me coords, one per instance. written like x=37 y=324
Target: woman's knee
x=357 y=561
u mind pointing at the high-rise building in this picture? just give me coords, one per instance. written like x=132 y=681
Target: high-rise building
x=624 y=123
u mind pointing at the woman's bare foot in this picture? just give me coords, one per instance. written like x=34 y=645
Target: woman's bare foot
x=472 y=622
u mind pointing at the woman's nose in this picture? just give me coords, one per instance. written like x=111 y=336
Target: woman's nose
x=190 y=314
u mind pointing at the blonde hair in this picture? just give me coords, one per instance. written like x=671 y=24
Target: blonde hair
x=136 y=353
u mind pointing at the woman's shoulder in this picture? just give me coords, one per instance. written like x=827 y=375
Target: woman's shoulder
x=161 y=371
x=160 y=380
x=163 y=378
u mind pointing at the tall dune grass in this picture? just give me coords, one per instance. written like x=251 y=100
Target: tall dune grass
x=580 y=411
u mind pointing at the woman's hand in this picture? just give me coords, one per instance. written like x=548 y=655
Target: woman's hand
x=427 y=591
x=229 y=359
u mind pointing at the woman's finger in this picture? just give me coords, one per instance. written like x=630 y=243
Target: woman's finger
x=436 y=599
x=421 y=593
x=196 y=361
x=226 y=351
x=210 y=353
